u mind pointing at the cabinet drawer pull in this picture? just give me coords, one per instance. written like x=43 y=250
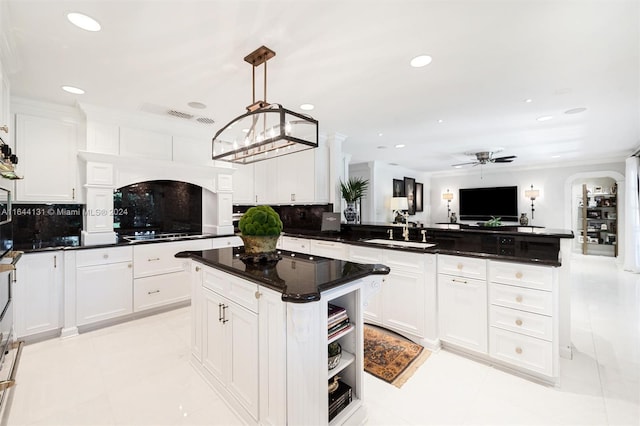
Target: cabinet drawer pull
x=459 y=281
x=219 y=312
x=153 y=259
x=518 y=275
x=153 y=291
x=224 y=314
x=518 y=322
x=460 y=266
x=519 y=298
x=518 y=350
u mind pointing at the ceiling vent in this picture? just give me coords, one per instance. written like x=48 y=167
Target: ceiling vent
x=160 y=110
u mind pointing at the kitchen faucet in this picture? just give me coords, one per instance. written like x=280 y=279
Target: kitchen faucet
x=405 y=230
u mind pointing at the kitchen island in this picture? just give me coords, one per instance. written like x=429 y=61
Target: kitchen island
x=260 y=333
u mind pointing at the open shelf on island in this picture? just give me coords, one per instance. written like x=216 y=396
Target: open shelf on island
x=346 y=360
x=343 y=332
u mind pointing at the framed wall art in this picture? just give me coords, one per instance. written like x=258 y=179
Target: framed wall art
x=398 y=188
x=419 y=194
x=410 y=193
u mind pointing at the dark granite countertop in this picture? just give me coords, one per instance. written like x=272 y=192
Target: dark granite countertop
x=299 y=277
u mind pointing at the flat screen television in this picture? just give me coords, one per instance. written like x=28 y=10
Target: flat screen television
x=484 y=203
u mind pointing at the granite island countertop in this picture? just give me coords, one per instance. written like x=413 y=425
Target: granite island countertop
x=299 y=277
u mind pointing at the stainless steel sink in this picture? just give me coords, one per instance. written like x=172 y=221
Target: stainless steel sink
x=413 y=244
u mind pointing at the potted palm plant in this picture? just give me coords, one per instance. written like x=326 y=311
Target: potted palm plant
x=352 y=191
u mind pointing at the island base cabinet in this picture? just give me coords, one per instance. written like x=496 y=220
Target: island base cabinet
x=462 y=307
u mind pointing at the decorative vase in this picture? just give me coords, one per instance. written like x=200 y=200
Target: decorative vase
x=259 y=248
x=453 y=218
x=351 y=212
x=524 y=220
x=335 y=353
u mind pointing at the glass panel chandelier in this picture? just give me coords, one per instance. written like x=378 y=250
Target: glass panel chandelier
x=266 y=130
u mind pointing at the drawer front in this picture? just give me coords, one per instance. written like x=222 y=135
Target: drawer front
x=531 y=276
x=159 y=290
x=300 y=245
x=226 y=242
x=534 y=325
x=159 y=258
x=103 y=256
x=522 y=351
x=329 y=249
x=462 y=266
x=365 y=254
x=526 y=299
x=235 y=289
x=410 y=262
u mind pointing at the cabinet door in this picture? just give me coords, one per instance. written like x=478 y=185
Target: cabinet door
x=196 y=311
x=403 y=295
x=242 y=330
x=103 y=292
x=213 y=345
x=38 y=293
x=47 y=150
x=296 y=177
x=243 y=181
x=462 y=311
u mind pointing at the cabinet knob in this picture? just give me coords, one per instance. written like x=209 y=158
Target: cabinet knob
x=197 y=269
x=518 y=322
x=105 y=256
x=460 y=265
x=519 y=299
x=518 y=350
x=130 y=266
x=518 y=275
x=258 y=294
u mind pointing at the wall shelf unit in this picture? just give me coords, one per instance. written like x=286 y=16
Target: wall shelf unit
x=598 y=215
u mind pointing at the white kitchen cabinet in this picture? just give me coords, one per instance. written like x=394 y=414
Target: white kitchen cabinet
x=244 y=184
x=230 y=346
x=159 y=277
x=104 y=280
x=372 y=309
x=38 y=293
x=523 y=317
x=331 y=249
x=302 y=177
x=297 y=244
x=47 y=149
x=462 y=302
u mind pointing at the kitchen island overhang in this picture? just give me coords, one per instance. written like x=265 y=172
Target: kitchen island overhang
x=299 y=277
x=260 y=334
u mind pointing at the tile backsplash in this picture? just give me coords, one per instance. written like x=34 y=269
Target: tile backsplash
x=46 y=225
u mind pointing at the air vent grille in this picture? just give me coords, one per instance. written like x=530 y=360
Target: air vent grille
x=180 y=114
x=205 y=120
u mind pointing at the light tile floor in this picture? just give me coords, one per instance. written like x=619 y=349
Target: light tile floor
x=138 y=373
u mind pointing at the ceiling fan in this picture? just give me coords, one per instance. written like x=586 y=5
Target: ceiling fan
x=485 y=157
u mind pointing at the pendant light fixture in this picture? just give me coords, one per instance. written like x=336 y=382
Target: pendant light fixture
x=266 y=130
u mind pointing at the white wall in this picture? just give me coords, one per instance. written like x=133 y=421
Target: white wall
x=552 y=207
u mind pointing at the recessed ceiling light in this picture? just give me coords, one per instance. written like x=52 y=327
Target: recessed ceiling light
x=421 y=61
x=197 y=105
x=575 y=110
x=400 y=145
x=528 y=100
x=555 y=156
x=74 y=90
x=544 y=118
x=393 y=164
x=307 y=107
x=83 y=21
x=457 y=167
x=441 y=121
x=379 y=134
x=382 y=147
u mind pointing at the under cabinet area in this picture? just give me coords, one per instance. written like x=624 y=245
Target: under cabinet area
x=103 y=284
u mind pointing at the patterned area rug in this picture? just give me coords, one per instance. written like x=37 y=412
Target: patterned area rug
x=391 y=357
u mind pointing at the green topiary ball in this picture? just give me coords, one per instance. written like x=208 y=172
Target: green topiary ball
x=259 y=221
